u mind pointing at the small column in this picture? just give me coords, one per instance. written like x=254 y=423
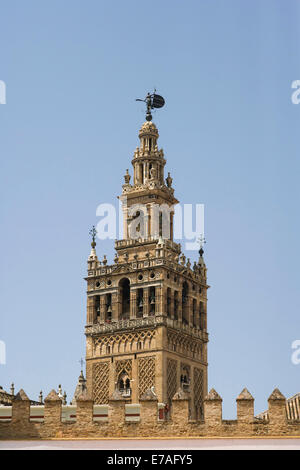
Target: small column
x=114 y=306
x=213 y=409
x=171 y=226
x=154 y=220
x=132 y=303
x=179 y=308
x=102 y=308
x=245 y=407
x=53 y=405
x=148 y=223
x=125 y=221
x=90 y=310
x=147 y=172
x=163 y=302
x=146 y=302
x=158 y=300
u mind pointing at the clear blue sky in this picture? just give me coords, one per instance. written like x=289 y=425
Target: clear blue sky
x=231 y=138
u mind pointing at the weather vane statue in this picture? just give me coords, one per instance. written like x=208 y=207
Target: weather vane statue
x=152 y=101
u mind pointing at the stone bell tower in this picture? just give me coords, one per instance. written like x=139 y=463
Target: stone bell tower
x=147 y=312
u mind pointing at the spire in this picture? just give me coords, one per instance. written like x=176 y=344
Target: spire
x=201 y=262
x=80 y=388
x=60 y=392
x=127 y=177
x=93 y=259
x=93 y=233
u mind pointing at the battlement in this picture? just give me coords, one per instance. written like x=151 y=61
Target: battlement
x=143 y=419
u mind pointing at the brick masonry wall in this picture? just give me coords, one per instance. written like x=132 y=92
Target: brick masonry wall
x=179 y=425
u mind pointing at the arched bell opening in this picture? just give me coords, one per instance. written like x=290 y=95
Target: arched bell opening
x=169 y=302
x=140 y=303
x=202 y=316
x=185 y=307
x=194 y=313
x=108 y=308
x=97 y=309
x=176 y=305
x=152 y=301
x=124 y=291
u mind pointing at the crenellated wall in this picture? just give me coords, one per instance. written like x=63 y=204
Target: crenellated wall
x=144 y=419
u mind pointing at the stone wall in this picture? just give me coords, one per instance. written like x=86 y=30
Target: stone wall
x=145 y=420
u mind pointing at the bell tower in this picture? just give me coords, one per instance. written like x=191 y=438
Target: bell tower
x=147 y=312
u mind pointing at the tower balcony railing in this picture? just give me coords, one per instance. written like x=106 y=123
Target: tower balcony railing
x=192 y=330
x=120 y=325
x=151 y=321
x=128 y=242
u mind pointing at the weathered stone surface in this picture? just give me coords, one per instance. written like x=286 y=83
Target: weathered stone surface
x=276 y=395
x=181 y=395
x=213 y=395
x=245 y=395
x=52 y=396
x=21 y=396
x=84 y=396
x=245 y=408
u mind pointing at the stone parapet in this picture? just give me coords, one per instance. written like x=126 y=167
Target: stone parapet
x=142 y=419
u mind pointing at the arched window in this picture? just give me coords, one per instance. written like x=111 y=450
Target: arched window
x=108 y=314
x=152 y=301
x=160 y=224
x=141 y=173
x=176 y=302
x=140 y=303
x=194 y=313
x=124 y=384
x=202 y=316
x=124 y=286
x=185 y=307
x=169 y=302
x=97 y=307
